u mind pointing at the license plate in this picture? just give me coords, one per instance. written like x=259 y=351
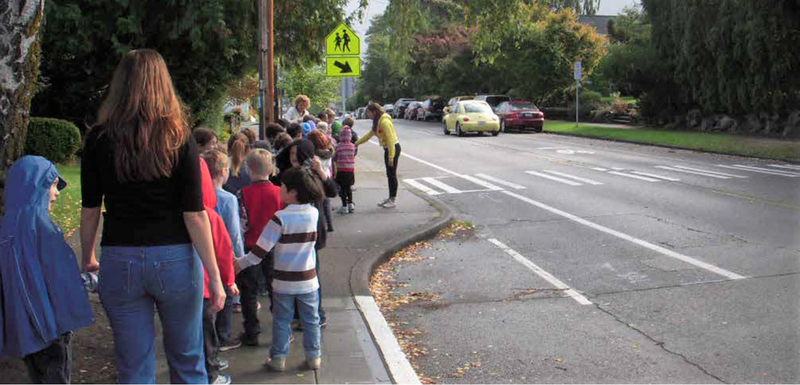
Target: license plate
x=527 y=115
x=481 y=123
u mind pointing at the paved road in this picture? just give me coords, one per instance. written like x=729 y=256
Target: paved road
x=602 y=262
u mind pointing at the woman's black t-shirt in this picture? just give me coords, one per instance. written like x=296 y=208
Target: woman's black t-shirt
x=142 y=213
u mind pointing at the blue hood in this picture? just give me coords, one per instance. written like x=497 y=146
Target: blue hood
x=41 y=292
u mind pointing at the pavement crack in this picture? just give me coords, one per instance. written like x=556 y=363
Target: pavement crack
x=661 y=344
x=522 y=220
x=702 y=283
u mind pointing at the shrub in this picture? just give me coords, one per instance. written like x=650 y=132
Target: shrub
x=620 y=106
x=55 y=139
x=591 y=98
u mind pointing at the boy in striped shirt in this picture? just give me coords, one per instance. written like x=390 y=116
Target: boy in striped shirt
x=292 y=233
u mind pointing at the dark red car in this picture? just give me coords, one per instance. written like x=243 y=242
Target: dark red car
x=520 y=114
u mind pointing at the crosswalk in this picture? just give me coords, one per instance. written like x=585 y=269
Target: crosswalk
x=481 y=182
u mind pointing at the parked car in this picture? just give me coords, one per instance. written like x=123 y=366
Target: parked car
x=471 y=116
x=400 y=107
x=431 y=109
x=520 y=114
x=388 y=108
x=494 y=100
x=360 y=113
x=454 y=100
x=411 y=110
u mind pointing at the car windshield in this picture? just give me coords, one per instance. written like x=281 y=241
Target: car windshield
x=476 y=108
x=495 y=100
x=438 y=103
x=523 y=106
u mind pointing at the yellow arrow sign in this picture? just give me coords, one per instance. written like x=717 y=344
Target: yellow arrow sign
x=342 y=41
x=343 y=66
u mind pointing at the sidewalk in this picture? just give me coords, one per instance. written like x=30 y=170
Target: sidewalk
x=350 y=354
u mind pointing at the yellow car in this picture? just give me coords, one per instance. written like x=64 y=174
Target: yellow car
x=471 y=116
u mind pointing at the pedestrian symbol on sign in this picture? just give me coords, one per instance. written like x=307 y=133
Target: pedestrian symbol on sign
x=346 y=39
x=338 y=42
x=343 y=41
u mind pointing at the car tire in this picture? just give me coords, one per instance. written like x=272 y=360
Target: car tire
x=495 y=133
x=444 y=126
x=458 y=130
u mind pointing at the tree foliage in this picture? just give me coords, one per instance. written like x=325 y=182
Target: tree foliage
x=311 y=81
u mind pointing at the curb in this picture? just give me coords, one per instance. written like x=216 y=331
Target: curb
x=792 y=161
x=392 y=356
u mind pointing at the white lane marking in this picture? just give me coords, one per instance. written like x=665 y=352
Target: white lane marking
x=640 y=242
x=617 y=168
x=399 y=367
x=600 y=169
x=569 y=182
x=711 y=172
x=480 y=182
x=656 y=176
x=634 y=176
x=421 y=187
x=447 y=188
x=761 y=170
x=579 y=179
x=540 y=272
x=693 y=172
x=500 y=181
x=786 y=166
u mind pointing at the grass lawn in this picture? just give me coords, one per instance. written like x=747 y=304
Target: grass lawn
x=722 y=143
x=610 y=99
x=67 y=208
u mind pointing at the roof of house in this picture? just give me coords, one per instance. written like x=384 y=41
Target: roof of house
x=599 y=22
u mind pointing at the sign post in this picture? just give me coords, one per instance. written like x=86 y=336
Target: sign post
x=577 y=72
x=343 y=47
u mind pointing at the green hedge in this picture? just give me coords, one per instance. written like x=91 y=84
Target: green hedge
x=55 y=139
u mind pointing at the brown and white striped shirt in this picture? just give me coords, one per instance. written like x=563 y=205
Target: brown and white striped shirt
x=292 y=232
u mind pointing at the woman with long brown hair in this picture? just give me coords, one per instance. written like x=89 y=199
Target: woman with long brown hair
x=141 y=162
x=383 y=127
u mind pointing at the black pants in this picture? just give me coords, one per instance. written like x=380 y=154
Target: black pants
x=346 y=181
x=210 y=341
x=391 y=172
x=326 y=211
x=225 y=318
x=247 y=280
x=53 y=364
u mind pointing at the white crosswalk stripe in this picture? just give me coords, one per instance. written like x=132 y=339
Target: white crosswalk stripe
x=693 y=172
x=447 y=188
x=761 y=170
x=644 y=178
x=480 y=182
x=546 y=176
x=421 y=187
x=501 y=182
x=656 y=176
x=711 y=172
x=786 y=166
x=579 y=179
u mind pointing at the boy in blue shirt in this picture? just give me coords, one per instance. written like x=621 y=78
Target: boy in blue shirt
x=227 y=208
x=44 y=299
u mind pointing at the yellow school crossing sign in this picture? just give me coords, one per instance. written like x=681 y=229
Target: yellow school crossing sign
x=343 y=47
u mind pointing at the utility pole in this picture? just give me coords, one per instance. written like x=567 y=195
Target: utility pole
x=266 y=69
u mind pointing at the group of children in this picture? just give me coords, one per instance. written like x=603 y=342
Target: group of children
x=264 y=203
x=272 y=197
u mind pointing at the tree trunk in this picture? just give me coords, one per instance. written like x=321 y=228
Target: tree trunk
x=20 y=21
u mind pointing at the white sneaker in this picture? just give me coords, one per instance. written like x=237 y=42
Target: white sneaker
x=343 y=210
x=383 y=202
x=351 y=207
x=389 y=204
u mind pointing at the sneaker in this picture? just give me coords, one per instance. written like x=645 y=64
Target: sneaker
x=258 y=306
x=383 y=202
x=230 y=345
x=276 y=364
x=223 y=364
x=222 y=379
x=248 y=340
x=314 y=363
x=291 y=338
x=237 y=308
x=323 y=322
x=343 y=210
x=389 y=204
x=351 y=207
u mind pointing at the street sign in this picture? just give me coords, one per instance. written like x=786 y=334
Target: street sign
x=342 y=41
x=345 y=66
x=578 y=70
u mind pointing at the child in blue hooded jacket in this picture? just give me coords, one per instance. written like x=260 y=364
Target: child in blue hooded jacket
x=42 y=297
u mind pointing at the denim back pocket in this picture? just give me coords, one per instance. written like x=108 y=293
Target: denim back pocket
x=177 y=275
x=115 y=276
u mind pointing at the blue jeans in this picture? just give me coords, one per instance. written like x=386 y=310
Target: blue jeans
x=284 y=306
x=135 y=279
